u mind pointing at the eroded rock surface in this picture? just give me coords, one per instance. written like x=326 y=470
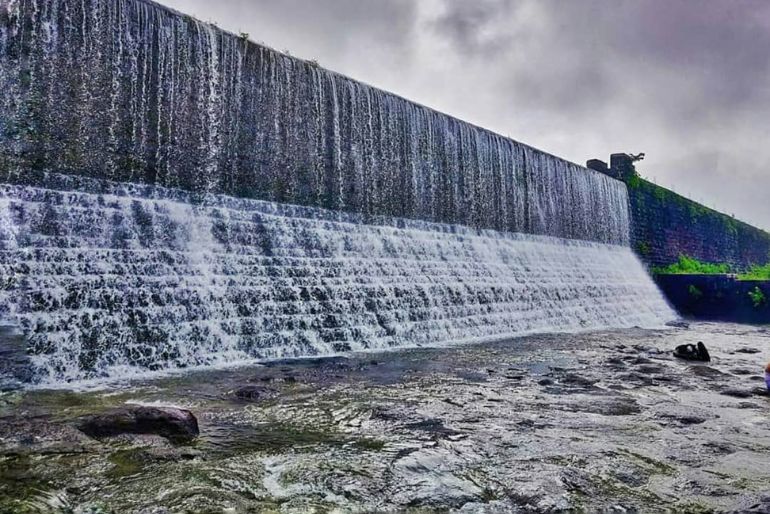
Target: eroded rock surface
x=604 y=422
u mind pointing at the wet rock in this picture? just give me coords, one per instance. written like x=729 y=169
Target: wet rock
x=178 y=425
x=678 y=324
x=384 y=414
x=684 y=415
x=651 y=369
x=433 y=426
x=749 y=351
x=737 y=393
x=742 y=371
x=761 y=391
x=545 y=382
x=254 y=393
x=636 y=378
x=614 y=407
x=707 y=372
x=24 y=435
x=691 y=352
x=720 y=447
x=574 y=379
x=762 y=505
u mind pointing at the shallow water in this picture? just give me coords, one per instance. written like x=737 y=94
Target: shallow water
x=544 y=423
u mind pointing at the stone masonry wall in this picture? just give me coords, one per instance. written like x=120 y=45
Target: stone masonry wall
x=665 y=225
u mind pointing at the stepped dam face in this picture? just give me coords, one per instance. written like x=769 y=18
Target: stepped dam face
x=109 y=280
x=174 y=196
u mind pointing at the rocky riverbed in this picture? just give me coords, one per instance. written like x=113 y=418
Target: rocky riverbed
x=592 y=422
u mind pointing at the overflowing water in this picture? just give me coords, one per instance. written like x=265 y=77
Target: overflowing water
x=174 y=196
x=129 y=91
x=125 y=279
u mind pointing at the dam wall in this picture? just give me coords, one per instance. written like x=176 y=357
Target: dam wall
x=114 y=280
x=665 y=225
x=129 y=91
x=173 y=196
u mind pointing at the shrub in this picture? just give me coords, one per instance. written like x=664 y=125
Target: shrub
x=695 y=293
x=691 y=266
x=757 y=297
x=756 y=272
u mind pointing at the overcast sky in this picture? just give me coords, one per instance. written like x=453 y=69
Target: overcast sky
x=686 y=81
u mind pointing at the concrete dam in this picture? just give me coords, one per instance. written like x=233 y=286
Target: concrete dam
x=175 y=196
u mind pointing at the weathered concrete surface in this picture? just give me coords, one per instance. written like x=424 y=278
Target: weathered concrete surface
x=718 y=297
x=608 y=421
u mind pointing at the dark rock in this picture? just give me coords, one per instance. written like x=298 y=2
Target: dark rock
x=178 y=425
x=691 y=352
x=545 y=382
x=685 y=415
x=706 y=372
x=737 y=393
x=689 y=419
x=678 y=324
x=384 y=413
x=578 y=380
x=760 y=391
x=651 y=369
x=749 y=351
x=254 y=392
x=742 y=372
x=433 y=426
x=636 y=378
x=616 y=407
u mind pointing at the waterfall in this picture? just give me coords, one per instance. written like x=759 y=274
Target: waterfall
x=175 y=196
x=113 y=280
x=129 y=91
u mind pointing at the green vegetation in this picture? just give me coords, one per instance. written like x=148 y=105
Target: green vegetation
x=691 y=266
x=634 y=181
x=756 y=272
x=757 y=297
x=696 y=293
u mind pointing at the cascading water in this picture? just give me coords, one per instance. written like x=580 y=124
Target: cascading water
x=140 y=155
x=129 y=278
x=128 y=91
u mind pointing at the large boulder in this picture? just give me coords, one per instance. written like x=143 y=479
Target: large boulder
x=177 y=425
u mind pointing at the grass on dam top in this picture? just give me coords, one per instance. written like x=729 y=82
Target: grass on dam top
x=691 y=266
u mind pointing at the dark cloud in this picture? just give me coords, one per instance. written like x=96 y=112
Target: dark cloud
x=472 y=27
x=687 y=81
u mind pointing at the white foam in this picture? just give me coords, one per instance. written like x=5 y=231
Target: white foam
x=123 y=284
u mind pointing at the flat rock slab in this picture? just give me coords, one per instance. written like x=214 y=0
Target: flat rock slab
x=178 y=425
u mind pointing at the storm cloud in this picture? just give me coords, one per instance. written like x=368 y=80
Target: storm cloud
x=686 y=81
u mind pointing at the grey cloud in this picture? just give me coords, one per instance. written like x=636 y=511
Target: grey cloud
x=470 y=25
